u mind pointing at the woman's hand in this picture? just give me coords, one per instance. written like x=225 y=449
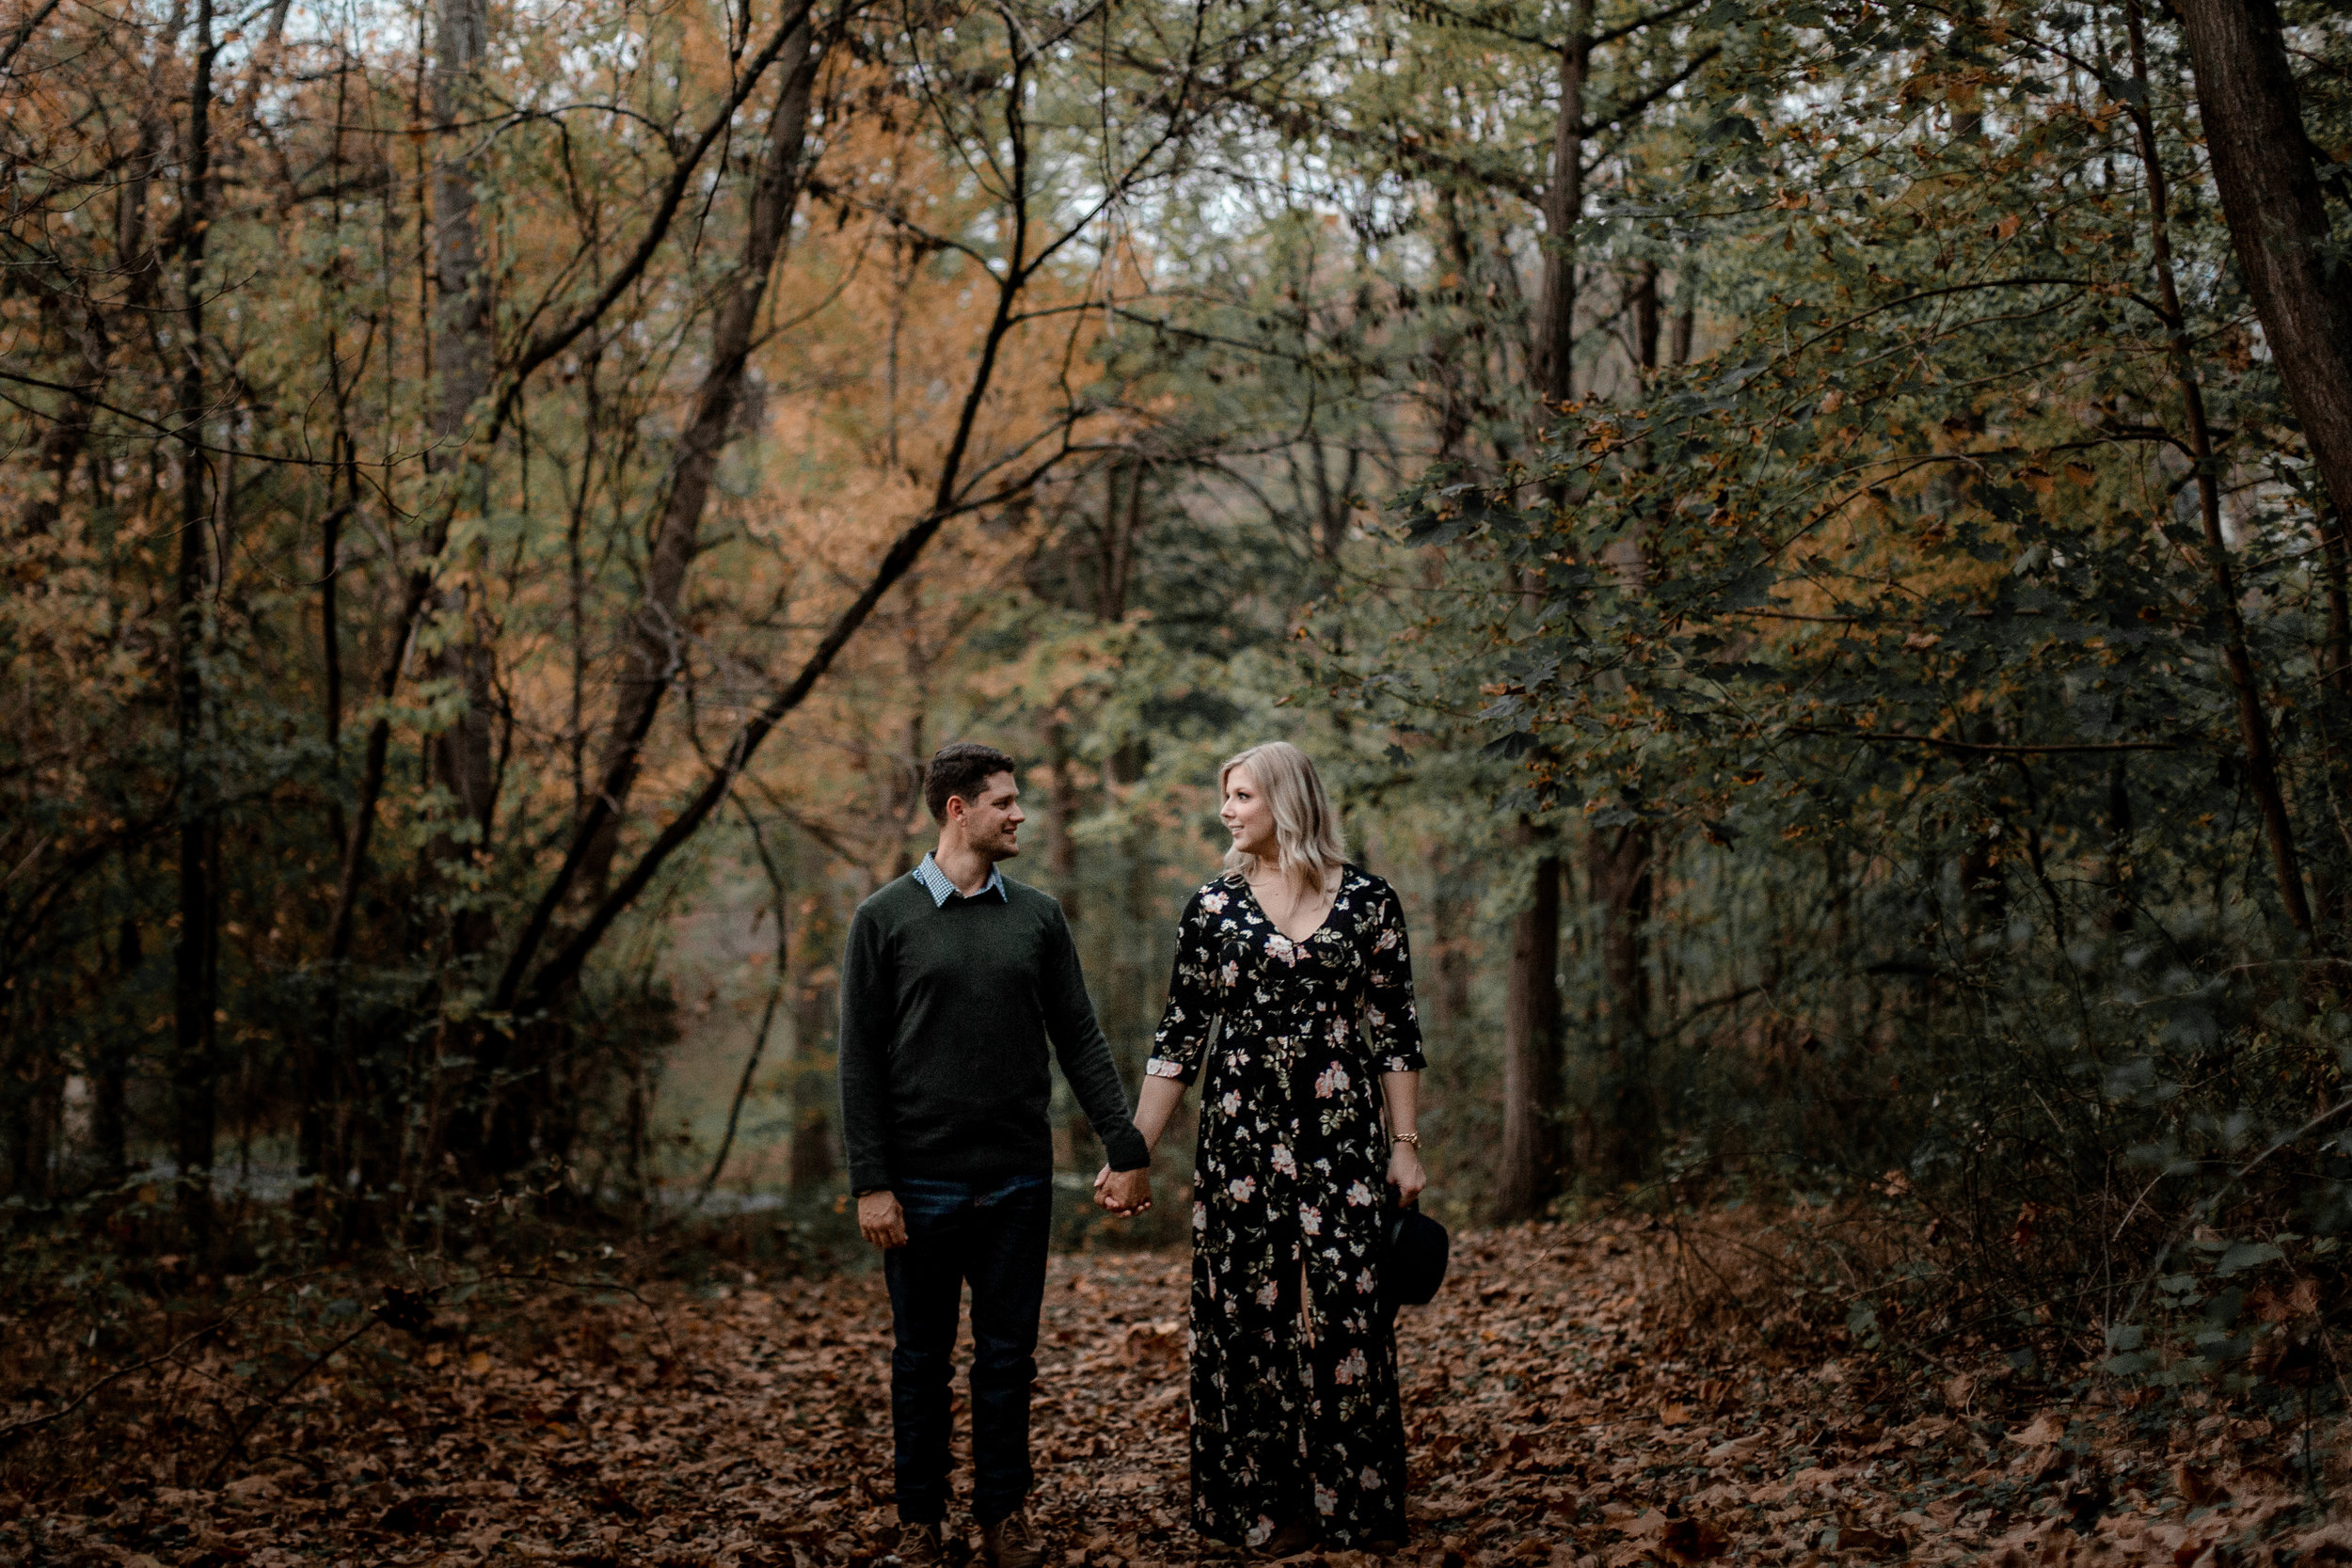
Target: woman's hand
x=1404 y=1172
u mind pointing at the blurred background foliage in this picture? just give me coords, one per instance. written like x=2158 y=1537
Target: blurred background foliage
x=1795 y=531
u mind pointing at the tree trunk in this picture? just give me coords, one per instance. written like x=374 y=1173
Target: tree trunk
x=1564 y=206
x=462 y=353
x=1686 y=316
x=1530 y=1024
x=2253 y=722
x=656 y=647
x=1621 y=869
x=1645 y=316
x=1122 y=525
x=459 y=757
x=1448 y=367
x=1529 y=1174
x=1620 y=865
x=2271 y=195
x=2262 y=167
x=1453 y=908
x=1021 y=266
x=318 y=1048
x=195 y=946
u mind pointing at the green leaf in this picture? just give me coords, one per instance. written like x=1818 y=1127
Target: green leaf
x=2247 y=1255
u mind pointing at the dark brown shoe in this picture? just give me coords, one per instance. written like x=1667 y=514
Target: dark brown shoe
x=919 y=1547
x=1011 y=1542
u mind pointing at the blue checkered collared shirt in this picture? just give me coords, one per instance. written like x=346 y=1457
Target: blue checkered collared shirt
x=935 y=882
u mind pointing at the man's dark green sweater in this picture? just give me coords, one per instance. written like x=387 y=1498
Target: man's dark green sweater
x=945 y=1012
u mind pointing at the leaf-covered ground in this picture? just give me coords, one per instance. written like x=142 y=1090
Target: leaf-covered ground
x=1554 y=1414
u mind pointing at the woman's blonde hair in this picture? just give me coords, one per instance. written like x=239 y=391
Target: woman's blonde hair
x=1306 y=829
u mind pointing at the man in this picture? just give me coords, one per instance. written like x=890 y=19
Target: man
x=955 y=979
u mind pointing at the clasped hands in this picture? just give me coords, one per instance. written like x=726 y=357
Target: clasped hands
x=1129 y=1192
x=1123 y=1192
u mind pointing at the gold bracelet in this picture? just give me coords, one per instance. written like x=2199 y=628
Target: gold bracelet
x=1413 y=1138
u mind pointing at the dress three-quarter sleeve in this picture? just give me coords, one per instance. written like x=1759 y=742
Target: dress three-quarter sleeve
x=1391 y=1027
x=1193 y=990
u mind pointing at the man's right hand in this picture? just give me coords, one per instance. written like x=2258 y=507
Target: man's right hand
x=1123 y=1192
x=881 y=1221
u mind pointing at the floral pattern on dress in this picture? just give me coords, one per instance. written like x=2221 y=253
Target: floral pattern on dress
x=1292 y=1038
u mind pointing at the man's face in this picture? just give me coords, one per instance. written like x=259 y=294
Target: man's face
x=992 y=819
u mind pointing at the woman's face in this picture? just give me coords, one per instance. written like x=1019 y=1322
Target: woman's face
x=1247 y=816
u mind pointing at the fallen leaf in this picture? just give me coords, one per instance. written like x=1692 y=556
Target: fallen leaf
x=2046 y=1427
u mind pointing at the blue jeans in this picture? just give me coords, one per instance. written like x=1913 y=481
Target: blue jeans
x=992 y=1235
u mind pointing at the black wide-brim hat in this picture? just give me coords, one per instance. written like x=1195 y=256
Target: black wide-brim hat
x=1415 y=1265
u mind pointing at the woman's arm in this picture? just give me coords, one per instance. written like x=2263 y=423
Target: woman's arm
x=1401 y=1090
x=1177 y=1048
x=1154 y=1104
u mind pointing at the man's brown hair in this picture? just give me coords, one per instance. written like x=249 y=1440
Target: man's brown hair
x=958 y=771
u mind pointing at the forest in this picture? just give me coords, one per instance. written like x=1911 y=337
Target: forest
x=1806 y=538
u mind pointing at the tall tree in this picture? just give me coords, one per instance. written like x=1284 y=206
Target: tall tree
x=1530 y=1019
x=463 y=353
x=2254 y=731
x=1564 y=209
x=1621 y=860
x=2265 y=170
x=1528 y=1174
x=656 y=651
x=196 y=945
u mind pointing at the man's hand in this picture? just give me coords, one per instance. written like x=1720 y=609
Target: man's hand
x=1123 y=1192
x=881 y=1221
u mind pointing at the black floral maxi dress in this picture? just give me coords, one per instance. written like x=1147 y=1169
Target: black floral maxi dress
x=1293 y=1158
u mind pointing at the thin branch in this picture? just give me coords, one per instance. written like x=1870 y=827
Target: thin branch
x=554 y=341
x=895 y=563
x=15 y=1428
x=24 y=30
x=1627 y=110
x=270 y=1407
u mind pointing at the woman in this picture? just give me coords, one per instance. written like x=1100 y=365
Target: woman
x=1295 y=962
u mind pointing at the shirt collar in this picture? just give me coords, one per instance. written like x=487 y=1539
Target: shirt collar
x=935 y=882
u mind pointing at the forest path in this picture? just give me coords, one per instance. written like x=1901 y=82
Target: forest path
x=1550 y=1422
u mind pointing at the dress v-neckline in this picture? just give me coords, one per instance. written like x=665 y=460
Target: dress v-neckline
x=1337 y=894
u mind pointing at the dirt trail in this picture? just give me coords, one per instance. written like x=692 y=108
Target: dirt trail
x=1547 y=1421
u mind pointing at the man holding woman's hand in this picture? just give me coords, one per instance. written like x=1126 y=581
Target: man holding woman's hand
x=1295 y=962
